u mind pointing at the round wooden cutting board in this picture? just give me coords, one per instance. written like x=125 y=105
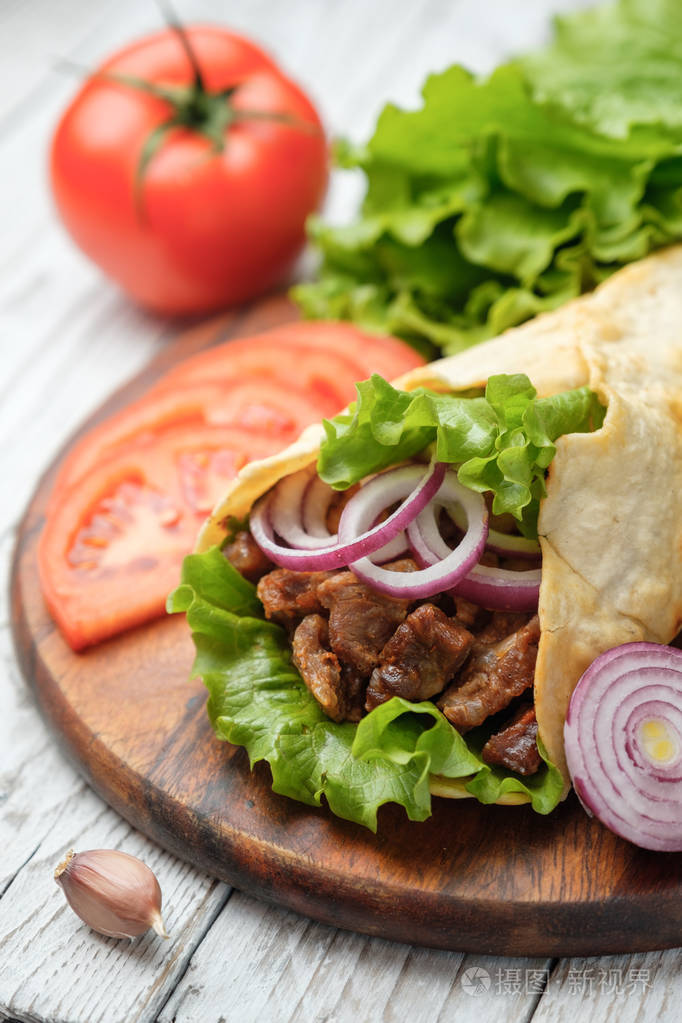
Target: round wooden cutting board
x=500 y=880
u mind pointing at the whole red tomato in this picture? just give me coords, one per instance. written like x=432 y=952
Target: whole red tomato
x=186 y=167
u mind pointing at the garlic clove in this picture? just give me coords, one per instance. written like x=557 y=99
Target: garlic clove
x=114 y=893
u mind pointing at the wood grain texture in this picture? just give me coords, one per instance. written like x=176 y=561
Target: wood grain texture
x=107 y=980
x=614 y=989
x=67 y=337
x=283 y=966
x=138 y=730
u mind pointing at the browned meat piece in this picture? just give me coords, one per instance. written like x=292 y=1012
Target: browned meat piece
x=319 y=667
x=402 y=565
x=467 y=613
x=338 y=690
x=515 y=746
x=247 y=557
x=420 y=658
x=361 y=621
x=494 y=675
x=501 y=625
x=289 y=596
x=354 y=688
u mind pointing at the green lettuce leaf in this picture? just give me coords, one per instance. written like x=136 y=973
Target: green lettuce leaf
x=258 y=700
x=417 y=733
x=503 y=197
x=502 y=441
x=614 y=67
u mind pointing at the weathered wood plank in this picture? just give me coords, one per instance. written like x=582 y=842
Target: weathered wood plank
x=54 y=968
x=615 y=989
x=278 y=966
x=38 y=31
x=35 y=782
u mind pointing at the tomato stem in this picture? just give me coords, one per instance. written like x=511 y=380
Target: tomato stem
x=176 y=25
x=192 y=106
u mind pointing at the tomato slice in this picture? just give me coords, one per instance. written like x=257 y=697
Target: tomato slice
x=326 y=359
x=130 y=496
x=374 y=353
x=327 y=377
x=260 y=406
x=112 y=547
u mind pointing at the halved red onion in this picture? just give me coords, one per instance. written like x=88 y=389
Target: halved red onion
x=623 y=742
x=442 y=573
x=498 y=589
x=411 y=484
x=508 y=544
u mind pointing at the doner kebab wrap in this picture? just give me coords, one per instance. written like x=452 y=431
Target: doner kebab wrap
x=425 y=579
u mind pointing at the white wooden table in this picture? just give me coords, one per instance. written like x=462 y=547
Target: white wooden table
x=67 y=338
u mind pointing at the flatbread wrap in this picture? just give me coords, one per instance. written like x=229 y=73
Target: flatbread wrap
x=609 y=528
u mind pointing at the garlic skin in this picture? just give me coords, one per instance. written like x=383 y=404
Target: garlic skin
x=114 y=893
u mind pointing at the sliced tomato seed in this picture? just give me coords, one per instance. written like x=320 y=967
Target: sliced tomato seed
x=97 y=542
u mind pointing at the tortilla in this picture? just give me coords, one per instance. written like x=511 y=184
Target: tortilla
x=610 y=531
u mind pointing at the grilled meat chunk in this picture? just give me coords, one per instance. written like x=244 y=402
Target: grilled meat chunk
x=247 y=557
x=354 y=687
x=494 y=675
x=319 y=667
x=501 y=625
x=361 y=621
x=467 y=614
x=420 y=658
x=515 y=746
x=289 y=596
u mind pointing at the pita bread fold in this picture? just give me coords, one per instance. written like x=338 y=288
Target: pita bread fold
x=610 y=526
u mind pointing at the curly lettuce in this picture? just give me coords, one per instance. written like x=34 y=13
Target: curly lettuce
x=258 y=700
x=506 y=196
x=503 y=440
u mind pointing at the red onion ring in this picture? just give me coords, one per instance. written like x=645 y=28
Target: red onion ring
x=440 y=574
x=623 y=743
x=394 y=549
x=498 y=589
x=298 y=513
x=409 y=483
x=507 y=544
x=285 y=510
x=316 y=500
